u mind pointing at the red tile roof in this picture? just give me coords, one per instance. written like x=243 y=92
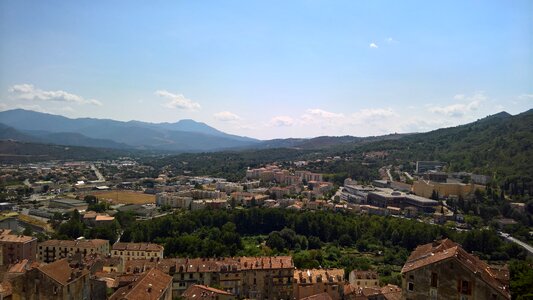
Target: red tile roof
x=151 y=286
x=321 y=296
x=94 y=243
x=198 y=291
x=137 y=247
x=61 y=271
x=435 y=252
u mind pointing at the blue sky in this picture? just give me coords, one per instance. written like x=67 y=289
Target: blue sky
x=270 y=69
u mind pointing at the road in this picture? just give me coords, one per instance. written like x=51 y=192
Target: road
x=97 y=173
x=390 y=175
x=408 y=176
x=528 y=247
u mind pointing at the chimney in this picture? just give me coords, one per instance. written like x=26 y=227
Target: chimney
x=149 y=288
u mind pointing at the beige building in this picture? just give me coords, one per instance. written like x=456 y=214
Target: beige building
x=52 y=250
x=244 y=277
x=443 y=270
x=14 y=248
x=364 y=279
x=173 y=200
x=130 y=251
x=57 y=280
x=307 y=283
x=425 y=188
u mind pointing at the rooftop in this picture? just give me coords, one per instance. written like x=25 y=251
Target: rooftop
x=82 y=243
x=137 y=247
x=198 y=291
x=151 y=286
x=445 y=249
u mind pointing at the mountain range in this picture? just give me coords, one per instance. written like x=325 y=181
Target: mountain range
x=182 y=136
x=191 y=136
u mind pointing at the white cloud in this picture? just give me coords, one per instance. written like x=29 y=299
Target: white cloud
x=314 y=113
x=226 y=116
x=281 y=121
x=468 y=104
x=177 y=101
x=29 y=92
x=373 y=45
x=525 y=96
x=376 y=112
x=391 y=40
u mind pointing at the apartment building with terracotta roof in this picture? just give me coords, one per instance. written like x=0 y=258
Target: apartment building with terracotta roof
x=153 y=285
x=223 y=271
x=359 y=278
x=310 y=282
x=244 y=277
x=267 y=277
x=52 y=250
x=129 y=251
x=15 y=248
x=57 y=280
x=444 y=270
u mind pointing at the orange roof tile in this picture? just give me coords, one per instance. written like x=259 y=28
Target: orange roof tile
x=446 y=249
x=198 y=291
x=61 y=271
x=151 y=286
x=137 y=247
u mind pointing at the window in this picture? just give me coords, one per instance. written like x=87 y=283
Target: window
x=464 y=287
x=410 y=286
x=434 y=279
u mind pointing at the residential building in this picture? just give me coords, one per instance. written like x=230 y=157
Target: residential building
x=309 y=176
x=444 y=270
x=92 y=218
x=153 y=285
x=198 y=291
x=359 y=278
x=307 y=283
x=14 y=248
x=129 y=251
x=444 y=189
x=52 y=250
x=224 y=272
x=267 y=277
x=57 y=280
x=244 y=277
x=173 y=200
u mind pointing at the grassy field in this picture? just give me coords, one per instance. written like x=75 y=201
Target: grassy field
x=125 y=197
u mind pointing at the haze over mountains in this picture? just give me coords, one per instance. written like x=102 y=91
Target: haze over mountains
x=182 y=136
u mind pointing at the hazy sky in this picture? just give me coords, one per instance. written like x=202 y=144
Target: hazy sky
x=270 y=69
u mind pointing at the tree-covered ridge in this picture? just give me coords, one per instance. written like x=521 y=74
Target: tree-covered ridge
x=500 y=145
